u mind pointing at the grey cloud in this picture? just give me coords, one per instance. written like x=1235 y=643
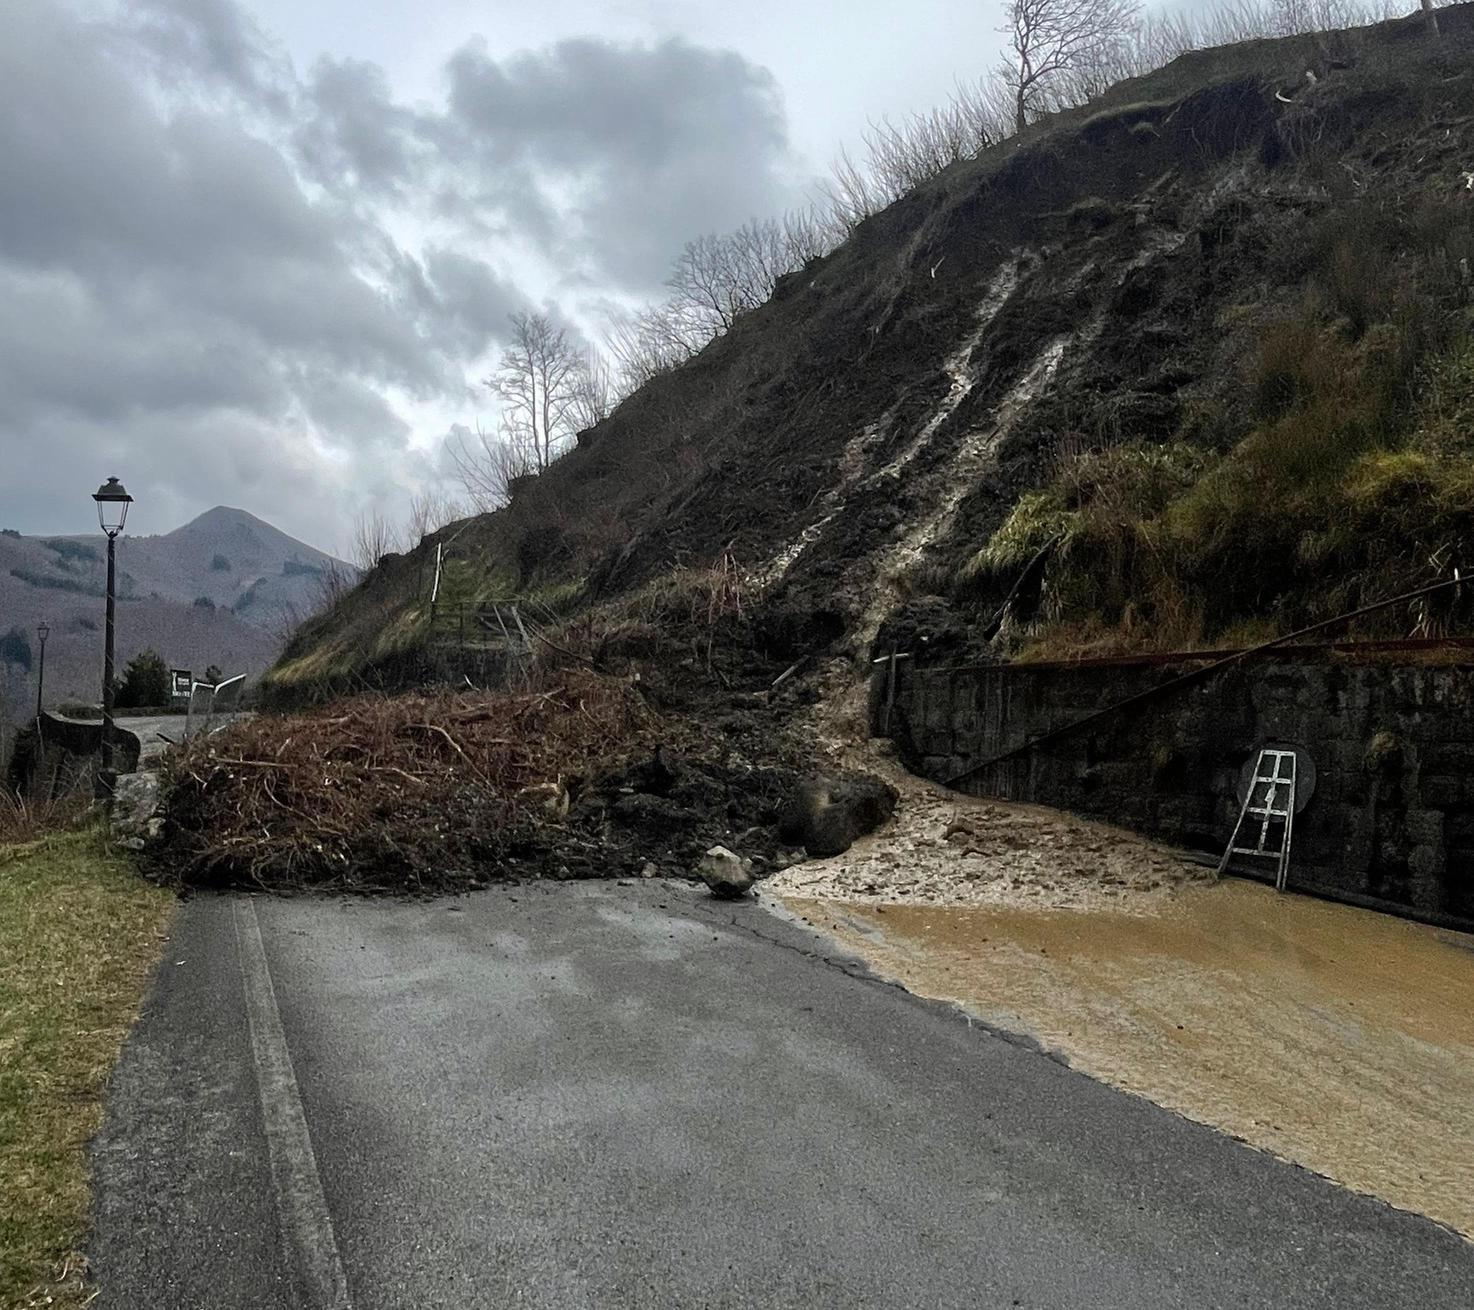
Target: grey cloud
x=230 y=282
x=176 y=304
x=95 y=176
x=352 y=411
x=357 y=136
x=64 y=352
x=658 y=143
x=470 y=299
x=216 y=44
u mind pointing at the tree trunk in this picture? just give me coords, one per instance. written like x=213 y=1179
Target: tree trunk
x=1430 y=17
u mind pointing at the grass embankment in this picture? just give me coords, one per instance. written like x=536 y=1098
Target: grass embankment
x=1351 y=484
x=79 y=934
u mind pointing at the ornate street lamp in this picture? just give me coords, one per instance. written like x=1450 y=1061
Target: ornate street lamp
x=43 y=630
x=112 y=514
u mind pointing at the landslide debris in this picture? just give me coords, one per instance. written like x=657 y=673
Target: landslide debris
x=1045 y=403
x=443 y=791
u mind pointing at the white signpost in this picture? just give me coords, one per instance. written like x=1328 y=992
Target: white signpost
x=206 y=699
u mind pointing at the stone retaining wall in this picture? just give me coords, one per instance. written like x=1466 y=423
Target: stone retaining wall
x=1390 y=822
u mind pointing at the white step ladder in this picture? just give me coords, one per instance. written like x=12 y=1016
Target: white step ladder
x=1270 y=802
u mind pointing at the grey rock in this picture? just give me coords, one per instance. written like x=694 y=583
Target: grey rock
x=134 y=815
x=728 y=876
x=828 y=815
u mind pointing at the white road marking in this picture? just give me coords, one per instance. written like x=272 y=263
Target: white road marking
x=307 y=1227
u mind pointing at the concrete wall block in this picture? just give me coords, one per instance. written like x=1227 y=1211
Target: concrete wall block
x=1444 y=791
x=936 y=711
x=968 y=728
x=1456 y=757
x=1425 y=827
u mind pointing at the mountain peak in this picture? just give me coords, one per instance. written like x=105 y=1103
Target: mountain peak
x=222 y=515
x=224 y=527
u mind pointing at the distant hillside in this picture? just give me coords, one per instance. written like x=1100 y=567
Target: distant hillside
x=223 y=590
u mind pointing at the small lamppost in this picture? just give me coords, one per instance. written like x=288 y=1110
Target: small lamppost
x=112 y=514
x=43 y=630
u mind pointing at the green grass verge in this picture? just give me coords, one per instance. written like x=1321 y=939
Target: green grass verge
x=79 y=935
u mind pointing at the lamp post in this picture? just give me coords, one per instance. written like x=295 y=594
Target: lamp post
x=43 y=631
x=112 y=514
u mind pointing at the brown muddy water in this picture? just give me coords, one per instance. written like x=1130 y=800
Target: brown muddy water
x=1337 y=1038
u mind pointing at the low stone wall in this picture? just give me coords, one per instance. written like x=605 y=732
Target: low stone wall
x=1390 y=822
x=57 y=757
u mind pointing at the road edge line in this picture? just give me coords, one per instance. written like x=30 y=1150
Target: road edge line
x=302 y=1209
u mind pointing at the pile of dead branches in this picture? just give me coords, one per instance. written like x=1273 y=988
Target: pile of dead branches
x=401 y=794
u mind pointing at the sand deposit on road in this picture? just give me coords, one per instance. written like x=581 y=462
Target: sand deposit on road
x=945 y=849
x=1337 y=1038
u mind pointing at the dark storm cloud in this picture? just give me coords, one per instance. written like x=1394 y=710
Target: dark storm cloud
x=174 y=302
x=216 y=44
x=656 y=143
x=203 y=258
x=355 y=136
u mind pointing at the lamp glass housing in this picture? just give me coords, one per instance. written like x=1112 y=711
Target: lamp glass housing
x=112 y=506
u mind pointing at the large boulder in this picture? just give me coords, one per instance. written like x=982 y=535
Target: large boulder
x=827 y=815
x=725 y=873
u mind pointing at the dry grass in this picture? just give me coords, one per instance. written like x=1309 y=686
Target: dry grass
x=27 y=821
x=79 y=933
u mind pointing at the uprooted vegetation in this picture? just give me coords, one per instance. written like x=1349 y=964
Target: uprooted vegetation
x=408 y=792
x=446 y=791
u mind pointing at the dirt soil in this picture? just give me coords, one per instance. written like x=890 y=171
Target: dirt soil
x=943 y=848
x=948 y=850
x=1336 y=1038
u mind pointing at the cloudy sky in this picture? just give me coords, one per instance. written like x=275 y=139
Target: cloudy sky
x=258 y=252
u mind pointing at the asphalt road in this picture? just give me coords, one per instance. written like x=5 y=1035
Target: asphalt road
x=156 y=733
x=609 y=1096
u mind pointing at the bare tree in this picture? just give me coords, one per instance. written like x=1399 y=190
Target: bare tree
x=535 y=384
x=715 y=280
x=541 y=384
x=851 y=194
x=705 y=285
x=431 y=510
x=649 y=342
x=373 y=538
x=489 y=464
x=333 y=583
x=808 y=234
x=593 y=391
x=902 y=156
x=1430 y=17
x=1051 y=39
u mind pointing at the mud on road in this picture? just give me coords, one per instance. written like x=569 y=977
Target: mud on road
x=1336 y=1038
